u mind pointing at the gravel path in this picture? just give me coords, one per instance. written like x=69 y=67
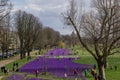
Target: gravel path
x=7 y=61
x=1 y=77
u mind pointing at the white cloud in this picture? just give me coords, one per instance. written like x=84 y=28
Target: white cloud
x=33 y=7
x=46 y=5
x=47 y=10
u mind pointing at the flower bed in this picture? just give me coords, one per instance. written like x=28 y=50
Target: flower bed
x=58 y=52
x=56 y=67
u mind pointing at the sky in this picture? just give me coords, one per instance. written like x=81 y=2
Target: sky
x=48 y=11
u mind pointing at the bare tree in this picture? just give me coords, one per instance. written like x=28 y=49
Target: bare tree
x=40 y=41
x=32 y=32
x=5 y=35
x=28 y=28
x=101 y=26
x=5 y=8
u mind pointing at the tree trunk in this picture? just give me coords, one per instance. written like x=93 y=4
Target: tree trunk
x=21 y=54
x=106 y=63
x=2 y=54
x=24 y=54
x=101 y=71
x=28 y=53
x=7 y=54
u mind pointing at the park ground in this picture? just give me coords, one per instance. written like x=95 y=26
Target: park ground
x=85 y=58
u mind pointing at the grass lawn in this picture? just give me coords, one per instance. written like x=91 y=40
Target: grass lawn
x=85 y=58
x=20 y=62
x=111 y=74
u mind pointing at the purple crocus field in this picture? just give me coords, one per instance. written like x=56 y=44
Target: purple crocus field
x=58 y=52
x=55 y=66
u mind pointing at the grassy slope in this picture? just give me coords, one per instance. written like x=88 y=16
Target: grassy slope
x=113 y=60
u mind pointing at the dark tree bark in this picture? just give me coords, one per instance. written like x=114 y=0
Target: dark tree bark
x=101 y=27
x=28 y=28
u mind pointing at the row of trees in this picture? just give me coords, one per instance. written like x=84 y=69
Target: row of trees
x=28 y=28
x=24 y=31
x=5 y=8
x=101 y=27
x=32 y=34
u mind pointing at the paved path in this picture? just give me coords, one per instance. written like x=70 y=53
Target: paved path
x=1 y=77
x=7 y=61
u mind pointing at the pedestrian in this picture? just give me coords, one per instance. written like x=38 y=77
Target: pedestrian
x=96 y=77
x=2 y=69
x=25 y=76
x=86 y=72
x=65 y=75
x=5 y=71
x=92 y=72
x=17 y=64
x=17 y=69
x=76 y=79
x=74 y=72
x=36 y=72
x=13 y=64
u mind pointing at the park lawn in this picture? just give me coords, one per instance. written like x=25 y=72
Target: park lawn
x=85 y=58
x=21 y=62
x=47 y=76
x=112 y=61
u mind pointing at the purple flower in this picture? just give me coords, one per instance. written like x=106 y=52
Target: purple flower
x=55 y=66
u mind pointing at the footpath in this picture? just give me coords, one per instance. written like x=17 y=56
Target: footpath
x=7 y=61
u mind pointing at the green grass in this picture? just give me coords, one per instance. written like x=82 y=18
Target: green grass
x=85 y=58
x=47 y=76
x=21 y=62
x=112 y=61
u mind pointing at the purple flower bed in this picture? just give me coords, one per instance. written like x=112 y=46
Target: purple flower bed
x=34 y=79
x=58 y=52
x=56 y=67
x=37 y=79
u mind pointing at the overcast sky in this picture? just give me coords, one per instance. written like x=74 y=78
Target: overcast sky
x=48 y=11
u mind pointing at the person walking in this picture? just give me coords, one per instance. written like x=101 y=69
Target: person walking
x=74 y=71
x=36 y=72
x=65 y=75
